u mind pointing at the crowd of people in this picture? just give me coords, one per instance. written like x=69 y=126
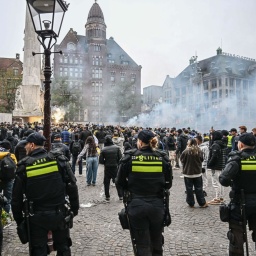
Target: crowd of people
x=193 y=153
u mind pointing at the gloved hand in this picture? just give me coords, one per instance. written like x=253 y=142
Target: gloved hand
x=75 y=211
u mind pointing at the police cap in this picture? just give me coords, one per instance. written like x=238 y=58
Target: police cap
x=36 y=138
x=248 y=139
x=146 y=135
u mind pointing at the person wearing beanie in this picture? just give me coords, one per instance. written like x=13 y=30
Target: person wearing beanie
x=110 y=156
x=144 y=173
x=240 y=175
x=216 y=162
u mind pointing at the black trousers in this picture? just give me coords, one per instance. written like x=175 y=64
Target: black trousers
x=146 y=217
x=235 y=233
x=40 y=224
x=110 y=174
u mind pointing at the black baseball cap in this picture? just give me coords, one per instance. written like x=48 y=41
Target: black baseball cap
x=233 y=130
x=36 y=138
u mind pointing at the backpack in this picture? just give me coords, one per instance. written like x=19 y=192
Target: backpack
x=7 y=168
x=76 y=148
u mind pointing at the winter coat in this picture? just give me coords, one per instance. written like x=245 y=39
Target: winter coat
x=217 y=155
x=192 y=163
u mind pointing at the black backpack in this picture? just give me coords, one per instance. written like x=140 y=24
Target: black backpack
x=76 y=148
x=7 y=168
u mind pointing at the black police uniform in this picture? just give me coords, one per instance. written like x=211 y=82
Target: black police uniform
x=145 y=174
x=46 y=180
x=240 y=173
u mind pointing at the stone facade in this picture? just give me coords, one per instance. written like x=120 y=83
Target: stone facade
x=29 y=95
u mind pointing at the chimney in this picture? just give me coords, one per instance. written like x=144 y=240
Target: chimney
x=17 y=56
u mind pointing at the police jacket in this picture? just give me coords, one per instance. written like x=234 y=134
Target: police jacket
x=45 y=179
x=110 y=156
x=145 y=172
x=240 y=171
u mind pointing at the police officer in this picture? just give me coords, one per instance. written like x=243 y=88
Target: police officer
x=240 y=174
x=45 y=180
x=146 y=173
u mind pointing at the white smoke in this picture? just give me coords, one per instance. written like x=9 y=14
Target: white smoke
x=58 y=114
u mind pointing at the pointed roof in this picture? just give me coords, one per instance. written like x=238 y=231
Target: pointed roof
x=95 y=15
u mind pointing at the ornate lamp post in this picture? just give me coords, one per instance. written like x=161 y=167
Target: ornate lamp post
x=47 y=17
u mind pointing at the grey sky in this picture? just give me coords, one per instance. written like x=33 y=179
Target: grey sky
x=160 y=35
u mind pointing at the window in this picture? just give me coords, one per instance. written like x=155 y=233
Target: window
x=111 y=61
x=214 y=95
x=65 y=59
x=76 y=72
x=61 y=72
x=125 y=63
x=71 y=60
x=226 y=81
x=15 y=71
x=231 y=80
x=205 y=85
x=81 y=61
x=76 y=61
x=109 y=55
x=97 y=73
x=214 y=83
x=226 y=93
x=61 y=60
x=220 y=82
x=133 y=78
x=122 y=57
x=220 y=93
x=71 y=72
x=65 y=71
x=97 y=61
x=97 y=48
x=122 y=76
x=206 y=96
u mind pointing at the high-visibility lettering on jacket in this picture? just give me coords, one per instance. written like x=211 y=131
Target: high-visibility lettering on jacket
x=247 y=178
x=146 y=164
x=146 y=177
x=45 y=187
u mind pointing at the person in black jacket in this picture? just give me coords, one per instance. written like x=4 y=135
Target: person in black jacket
x=58 y=145
x=45 y=180
x=182 y=140
x=145 y=173
x=216 y=162
x=110 y=156
x=240 y=174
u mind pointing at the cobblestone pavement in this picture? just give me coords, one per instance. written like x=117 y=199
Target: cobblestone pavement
x=96 y=231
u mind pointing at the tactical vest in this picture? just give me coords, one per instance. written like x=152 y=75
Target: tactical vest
x=147 y=174
x=247 y=178
x=44 y=184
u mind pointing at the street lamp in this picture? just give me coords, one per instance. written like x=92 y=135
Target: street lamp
x=47 y=17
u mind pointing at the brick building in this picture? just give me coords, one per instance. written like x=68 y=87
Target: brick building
x=10 y=78
x=98 y=71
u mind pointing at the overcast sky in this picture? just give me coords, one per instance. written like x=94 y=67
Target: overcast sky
x=160 y=35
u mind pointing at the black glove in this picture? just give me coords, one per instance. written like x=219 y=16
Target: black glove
x=75 y=212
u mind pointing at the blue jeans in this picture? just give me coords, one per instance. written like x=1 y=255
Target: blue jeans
x=80 y=165
x=6 y=187
x=197 y=183
x=91 y=169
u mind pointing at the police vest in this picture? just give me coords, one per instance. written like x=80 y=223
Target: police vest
x=247 y=178
x=147 y=174
x=44 y=185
